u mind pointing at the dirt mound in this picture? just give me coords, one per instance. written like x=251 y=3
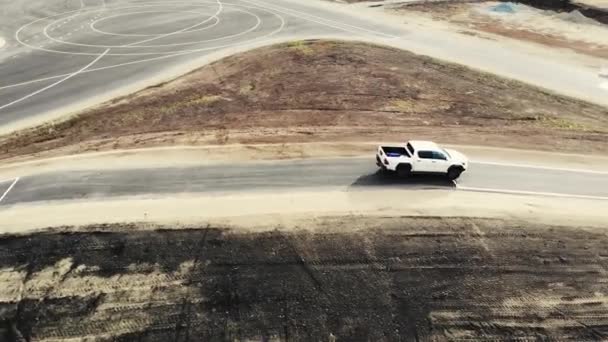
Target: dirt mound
x=328 y=91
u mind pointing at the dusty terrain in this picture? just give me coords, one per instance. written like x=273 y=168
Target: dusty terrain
x=553 y=29
x=354 y=279
x=595 y=3
x=327 y=91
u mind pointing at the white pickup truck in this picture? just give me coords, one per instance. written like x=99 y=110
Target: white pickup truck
x=417 y=156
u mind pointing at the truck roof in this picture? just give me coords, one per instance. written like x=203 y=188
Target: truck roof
x=423 y=145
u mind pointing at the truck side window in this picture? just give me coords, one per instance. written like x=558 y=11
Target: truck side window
x=425 y=154
x=410 y=148
x=439 y=155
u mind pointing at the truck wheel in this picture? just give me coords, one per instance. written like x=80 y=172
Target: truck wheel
x=404 y=170
x=454 y=173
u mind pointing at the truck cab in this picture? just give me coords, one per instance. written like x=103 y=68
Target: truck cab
x=417 y=156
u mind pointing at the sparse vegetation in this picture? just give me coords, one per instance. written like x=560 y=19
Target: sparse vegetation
x=301 y=46
x=335 y=91
x=247 y=88
x=561 y=123
x=203 y=100
x=357 y=279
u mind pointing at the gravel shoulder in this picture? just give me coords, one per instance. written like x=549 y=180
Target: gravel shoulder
x=274 y=207
x=342 y=278
x=316 y=91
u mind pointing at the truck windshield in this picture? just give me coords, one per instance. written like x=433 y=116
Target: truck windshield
x=446 y=153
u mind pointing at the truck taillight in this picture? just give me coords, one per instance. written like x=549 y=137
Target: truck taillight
x=385 y=161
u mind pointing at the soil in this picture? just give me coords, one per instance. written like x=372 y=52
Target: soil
x=381 y=279
x=312 y=91
x=461 y=13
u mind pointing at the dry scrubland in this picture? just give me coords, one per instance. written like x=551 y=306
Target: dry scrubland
x=327 y=91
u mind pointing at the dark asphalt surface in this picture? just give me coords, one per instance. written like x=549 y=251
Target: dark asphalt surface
x=49 y=40
x=51 y=59
x=346 y=173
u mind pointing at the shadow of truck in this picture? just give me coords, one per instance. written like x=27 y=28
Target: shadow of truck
x=385 y=178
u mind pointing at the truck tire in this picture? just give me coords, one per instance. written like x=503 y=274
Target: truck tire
x=404 y=170
x=454 y=172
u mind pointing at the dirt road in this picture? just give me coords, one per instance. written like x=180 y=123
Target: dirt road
x=351 y=278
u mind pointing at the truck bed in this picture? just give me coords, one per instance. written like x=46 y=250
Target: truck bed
x=395 y=151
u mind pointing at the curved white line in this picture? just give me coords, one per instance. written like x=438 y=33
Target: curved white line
x=317 y=19
x=218 y=12
x=251 y=29
x=181 y=53
x=95 y=29
x=56 y=83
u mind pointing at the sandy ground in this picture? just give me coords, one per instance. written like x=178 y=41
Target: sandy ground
x=572 y=26
x=326 y=91
x=326 y=278
x=557 y=30
x=266 y=206
x=596 y=3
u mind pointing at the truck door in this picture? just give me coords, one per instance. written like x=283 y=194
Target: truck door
x=424 y=162
x=440 y=162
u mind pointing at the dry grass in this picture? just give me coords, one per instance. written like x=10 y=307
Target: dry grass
x=327 y=91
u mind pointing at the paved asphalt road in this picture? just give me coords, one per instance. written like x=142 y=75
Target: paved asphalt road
x=76 y=49
x=346 y=173
x=59 y=52
x=62 y=52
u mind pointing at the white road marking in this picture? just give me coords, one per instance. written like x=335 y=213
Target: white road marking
x=264 y=36
x=318 y=20
x=529 y=166
x=65 y=77
x=169 y=55
x=217 y=12
x=56 y=83
x=9 y=189
x=92 y=70
x=251 y=29
x=534 y=193
x=94 y=23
